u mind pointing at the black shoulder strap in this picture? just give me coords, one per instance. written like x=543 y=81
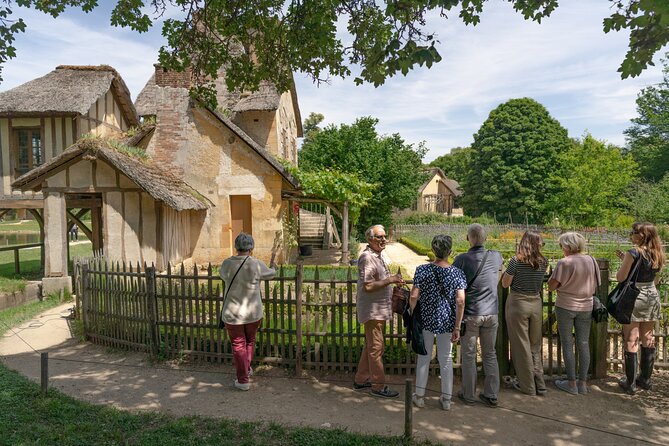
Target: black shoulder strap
x=634 y=269
x=478 y=271
x=233 y=279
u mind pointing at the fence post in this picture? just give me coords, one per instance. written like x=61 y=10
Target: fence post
x=85 y=298
x=599 y=331
x=151 y=308
x=408 y=409
x=502 y=344
x=299 y=270
x=44 y=371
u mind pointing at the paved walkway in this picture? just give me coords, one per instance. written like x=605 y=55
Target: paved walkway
x=131 y=381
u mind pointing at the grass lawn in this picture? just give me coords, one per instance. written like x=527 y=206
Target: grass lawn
x=11 y=317
x=27 y=417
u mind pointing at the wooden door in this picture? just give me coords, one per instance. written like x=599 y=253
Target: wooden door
x=240 y=215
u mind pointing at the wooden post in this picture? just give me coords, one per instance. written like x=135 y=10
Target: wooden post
x=152 y=316
x=44 y=361
x=85 y=297
x=344 y=235
x=327 y=235
x=299 y=270
x=17 y=267
x=599 y=331
x=502 y=344
x=408 y=410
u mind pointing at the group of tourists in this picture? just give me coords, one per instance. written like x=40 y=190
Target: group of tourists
x=459 y=303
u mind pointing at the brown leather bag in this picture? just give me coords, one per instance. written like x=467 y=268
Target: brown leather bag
x=400 y=299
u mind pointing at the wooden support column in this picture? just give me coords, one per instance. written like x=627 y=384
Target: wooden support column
x=344 y=235
x=599 y=331
x=96 y=229
x=40 y=221
x=55 y=244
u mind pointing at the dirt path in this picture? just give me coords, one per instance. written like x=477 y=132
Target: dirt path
x=130 y=381
x=400 y=254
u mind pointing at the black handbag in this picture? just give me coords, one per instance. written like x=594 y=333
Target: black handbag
x=417 y=340
x=623 y=297
x=221 y=322
x=599 y=311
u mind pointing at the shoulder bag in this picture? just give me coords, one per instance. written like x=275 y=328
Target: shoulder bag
x=463 y=326
x=400 y=298
x=621 y=300
x=599 y=311
x=221 y=322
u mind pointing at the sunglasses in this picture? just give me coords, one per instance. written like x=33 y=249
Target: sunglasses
x=379 y=237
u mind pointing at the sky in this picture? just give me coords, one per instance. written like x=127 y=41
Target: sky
x=567 y=63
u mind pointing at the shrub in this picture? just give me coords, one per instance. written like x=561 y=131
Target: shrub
x=417 y=247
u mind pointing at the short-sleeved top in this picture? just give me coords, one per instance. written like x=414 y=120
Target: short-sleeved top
x=646 y=272
x=481 y=296
x=526 y=279
x=437 y=310
x=243 y=303
x=578 y=275
x=373 y=305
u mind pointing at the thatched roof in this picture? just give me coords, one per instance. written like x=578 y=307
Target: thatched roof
x=68 y=90
x=157 y=182
x=267 y=98
x=452 y=185
x=257 y=148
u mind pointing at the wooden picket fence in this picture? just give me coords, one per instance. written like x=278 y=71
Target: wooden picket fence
x=308 y=322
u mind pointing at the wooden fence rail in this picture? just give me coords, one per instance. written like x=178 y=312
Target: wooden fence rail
x=308 y=322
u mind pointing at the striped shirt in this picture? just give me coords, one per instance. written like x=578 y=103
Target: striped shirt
x=526 y=280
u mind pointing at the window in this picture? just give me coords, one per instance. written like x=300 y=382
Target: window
x=29 y=150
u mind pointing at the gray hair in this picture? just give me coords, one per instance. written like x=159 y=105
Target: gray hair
x=572 y=241
x=244 y=242
x=476 y=234
x=441 y=246
x=369 y=233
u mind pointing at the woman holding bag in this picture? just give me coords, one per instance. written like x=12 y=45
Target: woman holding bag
x=440 y=287
x=242 y=304
x=648 y=258
x=525 y=275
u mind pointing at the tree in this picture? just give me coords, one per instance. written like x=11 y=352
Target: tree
x=648 y=137
x=455 y=164
x=311 y=125
x=383 y=160
x=592 y=179
x=513 y=152
x=649 y=201
x=270 y=39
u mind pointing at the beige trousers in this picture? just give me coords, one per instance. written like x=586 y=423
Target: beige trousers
x=523 y=319
x=370 y=367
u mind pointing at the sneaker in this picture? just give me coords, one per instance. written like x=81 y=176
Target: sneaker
x=242 y=386
x=462 y=398
x=445 y=403
x=386 y=392
x=363 y=386
x=564 y=385
x=418 y=401
x=582 y=387
x=490 y=402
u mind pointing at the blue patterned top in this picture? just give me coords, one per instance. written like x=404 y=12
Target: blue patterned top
x=437 y=311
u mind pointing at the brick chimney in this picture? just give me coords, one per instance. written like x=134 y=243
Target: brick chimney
x=170 y=78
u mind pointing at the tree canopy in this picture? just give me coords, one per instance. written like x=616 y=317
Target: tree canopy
x=648 y=137
x=455 y=164
x=270 y=39
x=591 y=179
x=386 y=161
x=512 y=154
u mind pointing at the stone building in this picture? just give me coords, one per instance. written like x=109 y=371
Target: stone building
x=182 y=186
x=438 y=193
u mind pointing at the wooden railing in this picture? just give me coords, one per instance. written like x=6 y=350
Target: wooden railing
x=16 y=249
x=309 y=322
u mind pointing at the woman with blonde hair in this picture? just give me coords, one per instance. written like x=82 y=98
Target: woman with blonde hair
x=575 y=278
x=648 y=257
x=525 y=275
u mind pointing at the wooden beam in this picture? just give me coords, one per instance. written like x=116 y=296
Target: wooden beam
x=77 y=219
x=21 y=203
x=88 y=203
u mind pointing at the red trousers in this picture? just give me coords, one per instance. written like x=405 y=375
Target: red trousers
x=243 y=339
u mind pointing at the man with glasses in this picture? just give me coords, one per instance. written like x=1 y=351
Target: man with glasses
x=374 y=309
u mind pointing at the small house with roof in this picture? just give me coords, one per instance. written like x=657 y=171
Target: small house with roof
x=438 y=193
x=180 y=186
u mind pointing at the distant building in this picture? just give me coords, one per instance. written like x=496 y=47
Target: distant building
x=438 y=194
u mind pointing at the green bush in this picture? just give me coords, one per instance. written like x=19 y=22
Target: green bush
x=417 y=247
x=433 y=218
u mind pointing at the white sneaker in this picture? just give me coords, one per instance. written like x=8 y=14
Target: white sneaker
x=242 y=386
x=445 y=404
x=418 y=401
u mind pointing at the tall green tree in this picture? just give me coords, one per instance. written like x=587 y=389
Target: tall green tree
x=311 y=125
x=383 y=160
x=270 y=39
x=455 y=164
x=649 y=201
x=512 y=155
x=592 y=179
x=648 y=137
